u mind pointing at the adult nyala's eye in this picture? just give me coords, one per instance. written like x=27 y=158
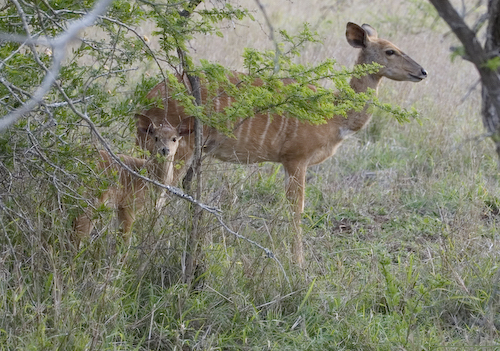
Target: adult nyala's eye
x=156 y=138
x=390 y=52
x=174 y=139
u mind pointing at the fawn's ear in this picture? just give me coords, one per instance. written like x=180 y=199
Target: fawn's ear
x=186 y=126
x=357 y=36
x=144 y=124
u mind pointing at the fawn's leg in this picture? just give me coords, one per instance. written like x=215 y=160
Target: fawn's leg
x=84 y=224
x=126 y=218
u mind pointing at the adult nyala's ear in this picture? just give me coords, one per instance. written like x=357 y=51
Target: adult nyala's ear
x=370 y=31
x=144 y=124
x=186 y=126
x=356 y=36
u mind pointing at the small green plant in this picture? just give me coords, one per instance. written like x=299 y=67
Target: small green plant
x=401 y=227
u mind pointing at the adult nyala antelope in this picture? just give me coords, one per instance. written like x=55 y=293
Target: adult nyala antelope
x=297 y=145
x=129 y=195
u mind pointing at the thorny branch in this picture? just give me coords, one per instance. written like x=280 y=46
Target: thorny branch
x=58 y=45
x=176 y=191
x=129 y=28
x=173 y=190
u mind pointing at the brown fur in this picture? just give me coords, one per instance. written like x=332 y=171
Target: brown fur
x=296 y=145
x=130 y=194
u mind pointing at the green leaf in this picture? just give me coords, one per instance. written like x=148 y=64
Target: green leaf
x=493 y=64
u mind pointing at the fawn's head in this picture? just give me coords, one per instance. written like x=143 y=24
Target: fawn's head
x=160 y=139
x=396 y=64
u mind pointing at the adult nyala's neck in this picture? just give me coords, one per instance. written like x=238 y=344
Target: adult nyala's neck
x=357 y=119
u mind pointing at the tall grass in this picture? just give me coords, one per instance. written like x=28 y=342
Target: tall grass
x=400 y=229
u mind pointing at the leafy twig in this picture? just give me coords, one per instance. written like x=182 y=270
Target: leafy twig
x=58 y=45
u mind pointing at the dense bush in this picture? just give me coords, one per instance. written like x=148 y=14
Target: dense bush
x=400 y=227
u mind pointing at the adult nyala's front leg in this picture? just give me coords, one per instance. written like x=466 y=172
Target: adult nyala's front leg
x=295 y=186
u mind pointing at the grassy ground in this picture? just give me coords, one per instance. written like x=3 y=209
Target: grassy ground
x=400 y=230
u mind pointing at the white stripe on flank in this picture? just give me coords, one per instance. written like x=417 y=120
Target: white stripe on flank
x=296 y=128
x=345 y=132
x=285 y=128
x=217 y=104
x=277 y=137
x=280 y=129
x=249 y=128
x=264 y=133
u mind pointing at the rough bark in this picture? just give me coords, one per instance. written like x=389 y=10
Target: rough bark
x=192 y=247
x=191 y=253
x=491 y=118
x=480 y=56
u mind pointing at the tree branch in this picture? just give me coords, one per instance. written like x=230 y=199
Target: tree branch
x=58 y=45
x=271 y=35
x=473 y=49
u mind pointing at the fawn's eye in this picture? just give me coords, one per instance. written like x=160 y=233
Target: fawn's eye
x=390 y=52
x=174 y=139
x=156 y=138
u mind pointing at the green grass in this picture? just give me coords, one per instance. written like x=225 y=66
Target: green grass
x=400 y=235
x=401 y=254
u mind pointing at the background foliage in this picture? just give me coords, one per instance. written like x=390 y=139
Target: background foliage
x=401 y=225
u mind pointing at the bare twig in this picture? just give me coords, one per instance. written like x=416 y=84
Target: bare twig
x=268 y=252
x=271 y=35
x=173 y=190
x=58 y=45
x=131 y=29
x=154 y=4
x=469 y=91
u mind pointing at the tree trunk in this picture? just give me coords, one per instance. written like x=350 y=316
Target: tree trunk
x=491 y=118
x=481 y=58
x=191 y=257
x=191 y=252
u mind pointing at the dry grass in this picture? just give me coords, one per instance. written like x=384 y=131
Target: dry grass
x=400 y=228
